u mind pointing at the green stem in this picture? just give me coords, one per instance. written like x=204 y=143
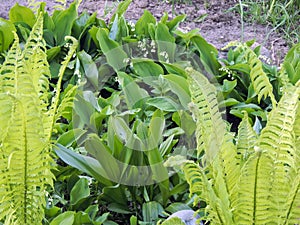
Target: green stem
x=270 y=9
x=242 y=20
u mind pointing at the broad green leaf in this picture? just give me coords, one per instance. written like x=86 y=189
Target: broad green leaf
x=114 y=29
x=102 y=218
x=135 y=96
x=81 y=218
x=48 y=22
x=179 y=86
x=175 y=68
x=164 y=103
x=118 y=208
x=164 y=18
x=63 y=23
x=83 y=163
x=165 y=43
x=84 y=109
x=228 y=86
x=49 y=38
x=152 y=30
x=178 y=189
x=173 y=131
x=90 y=68
x=53 y=211
x=208 y=55
x=93 y=32
x=92 y=211
x=156 y=128
x=186 y=36
x=23 y=14
x=160 y=173
x=123 y=30
x=112 y=50
x=80 y=191
x=53 y=52
x=121 y=9
x=102 y=153
x=82 y=23
x=121 y=128
x=67 y=218
x=6 y=34
x=240 y=67
x=133 y=220
x=116 y=194
x=173 y=24
x=166 y=146
x=147 y=68
x=291 y=64
x=69 y=137
x=141 y=25
x=151 y=211
x=187 y=123
x=229 y=102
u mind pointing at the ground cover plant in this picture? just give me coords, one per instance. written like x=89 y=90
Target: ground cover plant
x=124 y=94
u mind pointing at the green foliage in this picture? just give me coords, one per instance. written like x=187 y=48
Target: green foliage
x=210 y=126
x=25 y=155
x=6 y=34
x=118 y=117
x=260 y=81
x=290 y=71
x=27 y=123
x=243 y=77
x=130 y=115
x=248 y=182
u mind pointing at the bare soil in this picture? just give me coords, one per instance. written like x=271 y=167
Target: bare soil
x=216 y=19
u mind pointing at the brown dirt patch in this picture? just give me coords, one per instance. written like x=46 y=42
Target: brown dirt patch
x=217 y=23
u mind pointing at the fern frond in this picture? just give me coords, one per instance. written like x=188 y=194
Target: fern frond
x=211 y=191
x=24 y=150
x=210 y=126
x=10 y=218
x=7 y=71
x=54 y=113
x=254 y=190
x=292 y=212
x=260 y=80
x=297 y=130
x=278 y=140
x=246 y=139
x=230 y=166
x=193 y=176
x=66 y=105
x=35 y=59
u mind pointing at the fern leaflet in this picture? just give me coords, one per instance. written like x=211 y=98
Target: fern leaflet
x=210 y=126
x=246 y=139
x=259 y=78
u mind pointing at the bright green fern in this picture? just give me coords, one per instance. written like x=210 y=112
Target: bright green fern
x=27 y=118
x=252 y=179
